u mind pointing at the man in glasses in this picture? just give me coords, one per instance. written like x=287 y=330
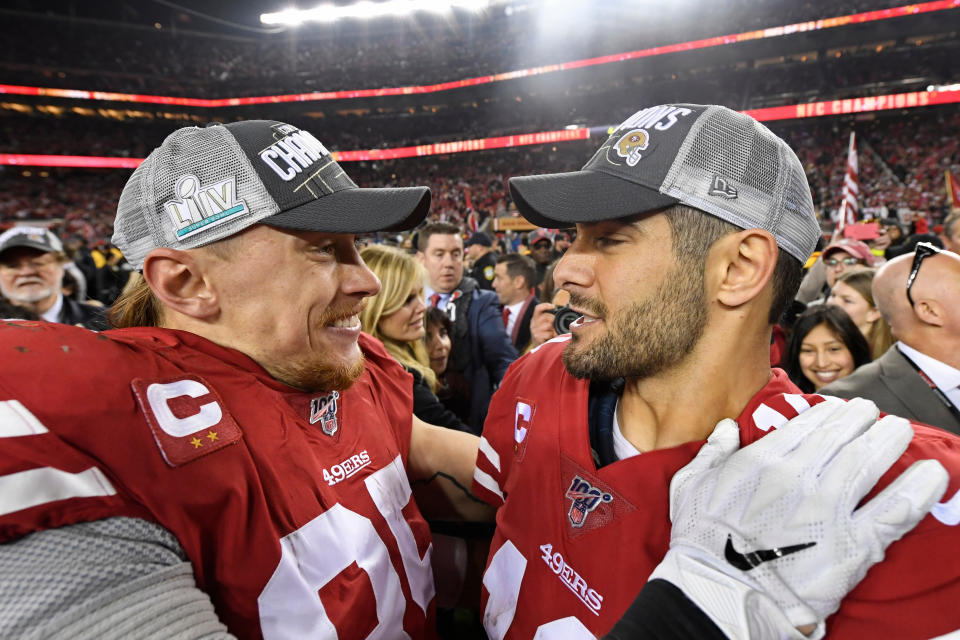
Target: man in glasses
x=844 y=255
x=919 y=377
x=32 y=264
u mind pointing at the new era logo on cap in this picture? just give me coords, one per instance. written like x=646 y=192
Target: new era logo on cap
x=205 y=184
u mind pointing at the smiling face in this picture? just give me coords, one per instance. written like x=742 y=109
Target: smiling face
x=406 y=323
x=624 y=282
x=443 y=260
x=824 y=358
x=290 y=300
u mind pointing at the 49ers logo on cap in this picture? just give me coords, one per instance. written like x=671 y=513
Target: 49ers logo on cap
x=631 y=144
x=186 y=416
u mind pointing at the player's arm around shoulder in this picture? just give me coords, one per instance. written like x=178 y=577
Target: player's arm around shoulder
x=441 y=465
x=921 y=571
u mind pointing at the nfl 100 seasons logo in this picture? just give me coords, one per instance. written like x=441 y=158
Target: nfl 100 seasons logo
x=585 y=498
x=323 y=409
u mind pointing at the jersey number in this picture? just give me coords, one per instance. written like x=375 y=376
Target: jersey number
x=317 y=552
x=502 y=580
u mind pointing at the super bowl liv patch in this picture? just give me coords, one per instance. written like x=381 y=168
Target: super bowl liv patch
x=197 y=207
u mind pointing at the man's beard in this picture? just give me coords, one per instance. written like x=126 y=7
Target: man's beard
x=16 y=296
x=312 y=373
x=319 y=376
x=646 y=337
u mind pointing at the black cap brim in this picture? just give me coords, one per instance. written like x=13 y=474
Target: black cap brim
x=557 y=200
x=30 y=244
x=358 y=211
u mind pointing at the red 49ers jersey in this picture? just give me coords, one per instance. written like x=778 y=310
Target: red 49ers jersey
x=294 y=509
x=574 y=540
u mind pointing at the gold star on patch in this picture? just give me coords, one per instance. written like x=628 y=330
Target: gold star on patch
x=212 y=435
x=197 y=443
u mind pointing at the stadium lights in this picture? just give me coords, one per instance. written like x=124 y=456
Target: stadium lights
x=367 y=10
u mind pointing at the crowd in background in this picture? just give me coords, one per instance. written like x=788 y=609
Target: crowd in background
x=902 y=161
x=187 y=56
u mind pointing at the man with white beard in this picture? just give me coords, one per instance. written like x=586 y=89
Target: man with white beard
x=32 y=264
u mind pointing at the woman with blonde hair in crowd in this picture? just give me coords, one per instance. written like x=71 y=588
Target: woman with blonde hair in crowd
x=853 y=293
x=395 y=316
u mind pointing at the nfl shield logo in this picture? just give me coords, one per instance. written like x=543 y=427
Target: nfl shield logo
x=324 y=411
x=585 y=498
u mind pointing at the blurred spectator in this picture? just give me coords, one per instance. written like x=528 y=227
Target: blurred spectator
x=452 y=393
x=825 y=346
x=890 y=235
x=919 y=377
x=482 y=257
x=853 y=293
x=31 y=275
x=481 y=348
x=844 y=255
x=540 y=242
x=112 y=272
x=395 y=316
x=951 y=233
x=514 y=286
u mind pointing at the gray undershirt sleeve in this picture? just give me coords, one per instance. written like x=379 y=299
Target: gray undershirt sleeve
x=114 y=578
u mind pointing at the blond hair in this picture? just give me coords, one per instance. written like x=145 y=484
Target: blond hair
x=400 y=277
x=879 y=337
x=137 y=306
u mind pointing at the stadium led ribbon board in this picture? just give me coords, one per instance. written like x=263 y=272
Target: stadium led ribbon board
x=914 y=99
x=716 y=41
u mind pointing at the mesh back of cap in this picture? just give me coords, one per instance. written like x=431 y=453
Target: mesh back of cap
x=212 y=155
x=769 y=188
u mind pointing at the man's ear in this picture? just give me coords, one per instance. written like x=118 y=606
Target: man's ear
x=742 y=264
x=930 y=311
x=177 y=278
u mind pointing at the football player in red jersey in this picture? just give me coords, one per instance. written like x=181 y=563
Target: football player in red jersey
x=238 y=429
x=693 y=223
x=236 y=459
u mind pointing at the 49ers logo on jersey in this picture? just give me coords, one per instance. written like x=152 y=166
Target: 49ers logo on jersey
x=186 y=416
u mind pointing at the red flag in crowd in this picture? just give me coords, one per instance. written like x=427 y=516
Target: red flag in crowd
x=953 y=190
x=473 y=221
x=849 y=207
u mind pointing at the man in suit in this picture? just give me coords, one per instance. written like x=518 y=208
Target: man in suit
x=918 y=377
x=32 y=267
x=481 y=348
x=513 y=281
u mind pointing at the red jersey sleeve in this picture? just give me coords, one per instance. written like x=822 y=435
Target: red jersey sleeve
x=504 y=436
x=46 y=481
x=913 y=592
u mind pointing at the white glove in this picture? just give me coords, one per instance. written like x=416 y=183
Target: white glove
x=774 y=527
